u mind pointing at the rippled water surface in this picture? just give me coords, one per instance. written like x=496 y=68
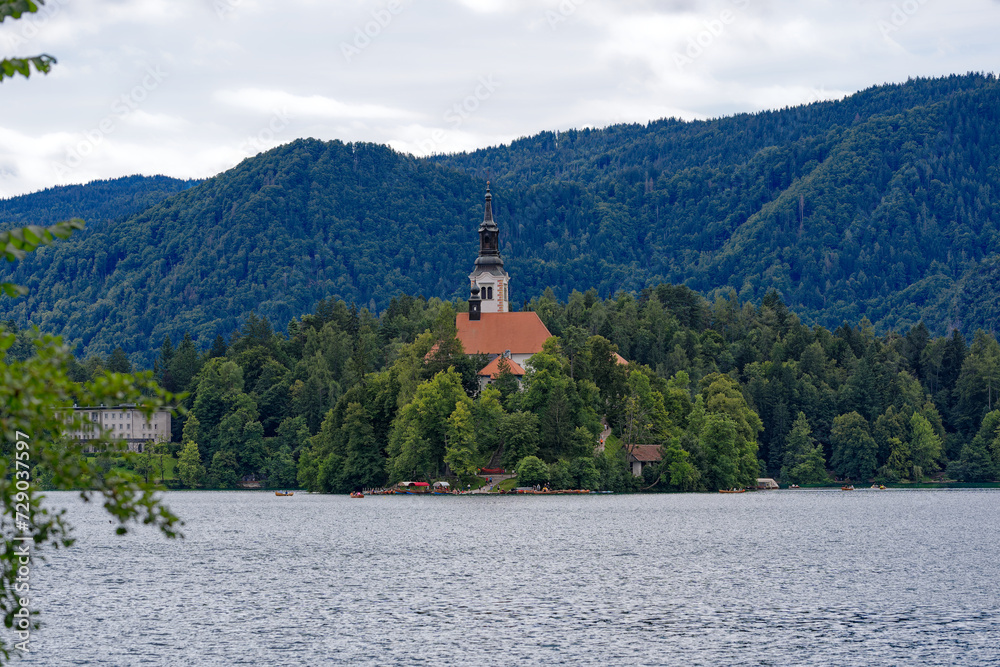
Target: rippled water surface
x=783 y=577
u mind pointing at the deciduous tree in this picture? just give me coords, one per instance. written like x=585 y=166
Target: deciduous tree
x=531 y=471
x=853 y=447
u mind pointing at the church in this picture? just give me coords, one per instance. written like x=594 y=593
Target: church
x=490 y=327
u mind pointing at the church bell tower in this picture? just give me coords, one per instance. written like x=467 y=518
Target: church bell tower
x=488 y=277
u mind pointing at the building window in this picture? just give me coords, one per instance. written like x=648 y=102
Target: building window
x=489 y=292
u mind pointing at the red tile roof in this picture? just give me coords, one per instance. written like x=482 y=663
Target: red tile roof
x=492 y=369
x=495 y=333
x=646 y=453
x=619 y=359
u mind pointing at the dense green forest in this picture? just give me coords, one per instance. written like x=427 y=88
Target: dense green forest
x=882 y=205
x=99 y=202
x=730 y=391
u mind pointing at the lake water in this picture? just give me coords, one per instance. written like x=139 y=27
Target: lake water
x=783 y=577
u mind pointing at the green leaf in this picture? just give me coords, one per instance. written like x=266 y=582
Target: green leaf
x=16 y=242
x=6 y=340
x=15 y=8
x=33 y=234
x=12 y=290
x=11 y=66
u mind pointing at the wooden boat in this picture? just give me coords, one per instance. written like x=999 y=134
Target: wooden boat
x=732 y=490
x=357 y=494
x=849 y=487
x=284 y=493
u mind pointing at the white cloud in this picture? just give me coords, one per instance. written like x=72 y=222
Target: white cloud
x=560 y=64
x=267 y=101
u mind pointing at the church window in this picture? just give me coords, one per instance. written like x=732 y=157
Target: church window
x=489 y=292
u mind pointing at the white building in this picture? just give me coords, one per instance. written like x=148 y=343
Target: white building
x=122 y=422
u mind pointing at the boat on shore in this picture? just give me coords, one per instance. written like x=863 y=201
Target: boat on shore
x=549 y=492
x=413 y=488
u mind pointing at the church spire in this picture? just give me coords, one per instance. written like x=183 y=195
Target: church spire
x=488 y=277
x=489 y=235
x=488 y=213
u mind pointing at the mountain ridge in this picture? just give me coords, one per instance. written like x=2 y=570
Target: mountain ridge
x=881 y=205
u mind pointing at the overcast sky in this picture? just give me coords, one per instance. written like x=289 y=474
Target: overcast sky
x=188 y=88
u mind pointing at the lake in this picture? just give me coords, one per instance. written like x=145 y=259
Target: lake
x=781 y=577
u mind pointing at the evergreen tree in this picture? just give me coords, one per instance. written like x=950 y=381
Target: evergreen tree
x=118 y=362
x=365 y=465
x=925 y=447
x=185 y=363
x=218 y=347
x=506 y=383
x=162 y=365
x=979 y=460
x=192 y=429
x=804 y=462
x=978 y=382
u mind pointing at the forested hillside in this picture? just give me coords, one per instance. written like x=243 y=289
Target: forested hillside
x=275 y=234
x=883 y=205
x=96 y=202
